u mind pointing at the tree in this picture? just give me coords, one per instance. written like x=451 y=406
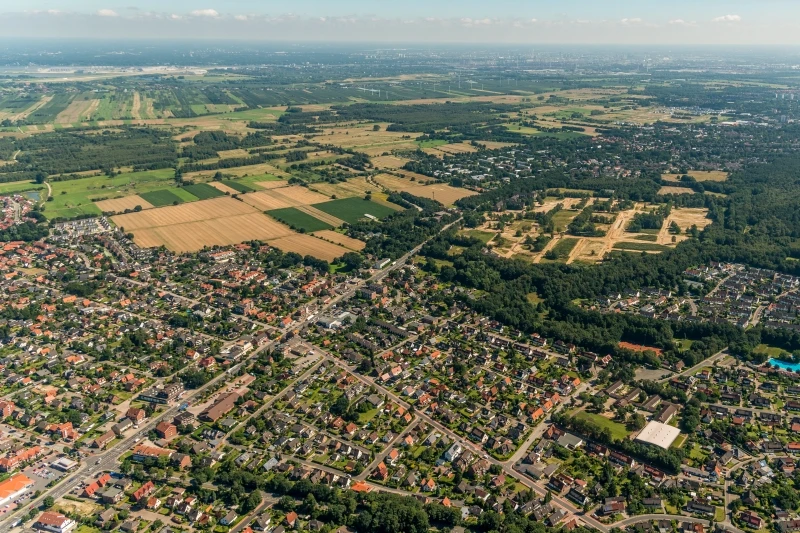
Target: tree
x=353 y=260
x=48 y=502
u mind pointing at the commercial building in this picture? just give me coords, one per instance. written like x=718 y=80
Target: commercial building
x=658 y=434
x=13 y=487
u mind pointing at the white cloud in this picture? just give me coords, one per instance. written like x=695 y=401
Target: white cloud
x=240 y=17
x=727 y=18
x=107 y=13
x=211 y=13
x=534 y=21
x=175 y=17
x=628 y=21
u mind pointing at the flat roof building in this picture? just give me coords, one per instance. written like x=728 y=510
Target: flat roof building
x=658 y=434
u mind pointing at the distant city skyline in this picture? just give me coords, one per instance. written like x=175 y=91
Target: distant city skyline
x=497 y=21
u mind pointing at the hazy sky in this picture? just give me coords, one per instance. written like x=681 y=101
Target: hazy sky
x=522 y=21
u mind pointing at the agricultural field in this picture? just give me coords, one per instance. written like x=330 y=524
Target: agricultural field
x=308 y=245
x=352 y=210
x=118 y=205
x=669 y=189
x=342 y=240
x=203 y=191
x=292 y=196
x=76 y=197
x=237 y=186
x=298 y=220
x=162 y=197
x=442 y=193
x=389 y=161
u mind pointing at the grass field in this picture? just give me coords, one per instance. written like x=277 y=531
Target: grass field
x=483 y=236
x=19 y=186
x=203 y=191
x=564 y=246
x=238 y=186
x=618 y=431
x=162 y=197
x=353 y=209
x=640 y=246
x=296 y=219
x=770 y=351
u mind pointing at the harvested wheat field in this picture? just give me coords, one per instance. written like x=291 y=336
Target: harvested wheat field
x=338 y=238
x=666 y=189
x=345 y=189
x=222 y=187
x=193 y=236
x=308 y=245
x=274 y=184
x=236 y=152
x=389 y=161
x=495 y=145
x=444 y=194
x=457 y=148
x=181 y=214
x=118 y=205
x=284 y=197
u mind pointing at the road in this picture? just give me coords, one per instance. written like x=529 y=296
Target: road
x=109 y=459
x=702 y=364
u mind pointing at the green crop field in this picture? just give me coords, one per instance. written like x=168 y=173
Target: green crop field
x=162 y=197
x=203 y=191
x=298 y=220
x=353 y=209
x=238 y=186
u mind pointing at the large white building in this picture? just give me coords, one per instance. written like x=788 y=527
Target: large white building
x=658 y=434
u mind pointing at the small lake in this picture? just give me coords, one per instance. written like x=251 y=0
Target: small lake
x=33 y=195
x=793 y=367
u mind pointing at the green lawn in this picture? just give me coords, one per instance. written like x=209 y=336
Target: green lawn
x=298 y=220
x=354 y=209
x=618 y=431
x=203 y=191
x=238 y=186
x=564 y=246
x=483 y=236
x=770 y=351
x=563 y=218
x=252 y=181
x=648 y=238
x=19 y=186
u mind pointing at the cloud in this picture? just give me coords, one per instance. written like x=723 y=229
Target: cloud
x=107 y=13
x=211 y=13
x=241 y=17
x=629 y=21
x=175 y=17
x=727 y=18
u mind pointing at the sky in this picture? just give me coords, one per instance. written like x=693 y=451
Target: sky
x=747 y=22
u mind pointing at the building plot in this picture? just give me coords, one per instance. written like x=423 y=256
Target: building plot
x=119 y=205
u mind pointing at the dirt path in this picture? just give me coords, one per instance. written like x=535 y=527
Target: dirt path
x=577 y=250
x=137 y=104
x=31 y=109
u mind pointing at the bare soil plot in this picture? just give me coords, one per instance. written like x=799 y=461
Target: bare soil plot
x=699 y=175
x=183 y=213
x=276 y=184
x=308 y=245
x=222 y=231
x=238 y=152
x=320 y=215
x=550 y=203
x=667 y=189
x=587 y=250
x=118 y=205
x=222 y=187
x=343 y=240
x=685 y=218
x=136 y=106
x=496 y=145
x=444 y=194
x=394 y=183
x=389 y=161
x=293 y=196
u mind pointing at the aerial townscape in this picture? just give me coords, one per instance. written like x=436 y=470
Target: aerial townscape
x=281 y=284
